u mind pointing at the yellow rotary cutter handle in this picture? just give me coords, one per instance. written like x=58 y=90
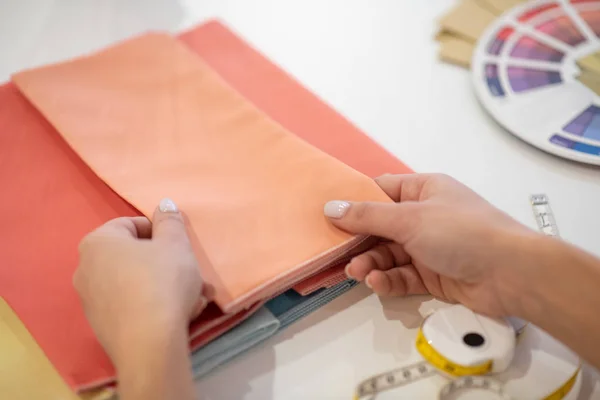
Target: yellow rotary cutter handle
x=463 y=346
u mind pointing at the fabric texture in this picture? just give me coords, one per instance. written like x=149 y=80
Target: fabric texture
x=175 y=126
x=55 y=199
x=252 y=331
x=324 y=279
x=277 y=314
x=292 y=105
x=290 y=306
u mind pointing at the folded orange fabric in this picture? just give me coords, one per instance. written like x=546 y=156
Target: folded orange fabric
x=285 y=100
x=55 y=199
x=152 y=119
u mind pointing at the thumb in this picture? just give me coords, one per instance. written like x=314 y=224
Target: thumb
x=392 y=221
x=168 y=223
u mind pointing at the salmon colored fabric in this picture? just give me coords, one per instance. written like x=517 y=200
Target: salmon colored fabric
x=52 y=199
x=252 y=191
x=324 y=279
x=55 y=199
x=286 y=101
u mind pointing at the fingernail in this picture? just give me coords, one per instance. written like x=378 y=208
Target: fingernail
x=336 y=209
x=167 y=205
x=368 y=282
x=347 y=269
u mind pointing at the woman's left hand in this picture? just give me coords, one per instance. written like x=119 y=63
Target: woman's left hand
x=135 y=276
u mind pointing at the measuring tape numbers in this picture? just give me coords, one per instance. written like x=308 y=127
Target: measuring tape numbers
x=543 y=215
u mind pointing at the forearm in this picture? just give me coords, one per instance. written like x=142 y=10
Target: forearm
x=154 y=364
x=561 y=293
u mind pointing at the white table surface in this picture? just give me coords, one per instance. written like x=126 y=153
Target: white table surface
x=375 y=62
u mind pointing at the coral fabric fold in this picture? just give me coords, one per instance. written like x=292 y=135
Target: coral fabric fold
x=55 y=198
x=253 y=192
x=289 y=103
x=290 y=306
x=286 y=101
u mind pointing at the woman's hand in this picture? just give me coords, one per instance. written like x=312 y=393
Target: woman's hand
x=140 y=285
x=442 y=239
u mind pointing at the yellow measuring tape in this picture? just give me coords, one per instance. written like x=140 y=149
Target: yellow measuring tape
x=464 y=377
x=433 y=357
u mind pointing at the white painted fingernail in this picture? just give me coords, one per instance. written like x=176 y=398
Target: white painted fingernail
x=167 y=205
x=336 y=209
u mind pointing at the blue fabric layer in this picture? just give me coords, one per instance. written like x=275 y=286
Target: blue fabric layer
x=276 y=315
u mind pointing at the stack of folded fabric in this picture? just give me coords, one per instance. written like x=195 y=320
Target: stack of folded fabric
x=461 y=27
x=248 y=154
x=590 y=71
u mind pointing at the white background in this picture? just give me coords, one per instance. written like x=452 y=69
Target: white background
x=375 y=62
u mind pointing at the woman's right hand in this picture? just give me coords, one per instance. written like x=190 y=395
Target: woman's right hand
x=442 y=239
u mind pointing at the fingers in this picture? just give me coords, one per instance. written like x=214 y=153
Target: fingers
x=400 y=281
x=404 y=187
x=133 y=227
x=382 y=257
x=168 y=223
x=124 y=228
x=393 y=221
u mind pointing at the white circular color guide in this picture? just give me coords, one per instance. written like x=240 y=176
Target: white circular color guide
x=525 y=74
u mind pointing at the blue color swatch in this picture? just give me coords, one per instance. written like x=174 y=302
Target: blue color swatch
x=574 y=145
x=586 y=124
x=493 y=80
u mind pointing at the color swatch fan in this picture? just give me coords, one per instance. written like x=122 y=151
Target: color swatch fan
x=536 y=69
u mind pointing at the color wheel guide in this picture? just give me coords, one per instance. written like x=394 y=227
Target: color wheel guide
x=536 y=69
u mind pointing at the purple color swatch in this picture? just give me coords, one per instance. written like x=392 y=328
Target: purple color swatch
x=578 y=125
x=531 y=49
x=523 y=79
x=493 y=80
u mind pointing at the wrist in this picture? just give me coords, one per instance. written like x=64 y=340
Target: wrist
x=153 y=362
x=146 y=330
x=520 y=256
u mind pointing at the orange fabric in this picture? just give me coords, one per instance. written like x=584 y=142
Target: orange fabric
x=253 y=192
x=324 y=279
x=55 y=199
x=52 y=198
x=286 y=101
